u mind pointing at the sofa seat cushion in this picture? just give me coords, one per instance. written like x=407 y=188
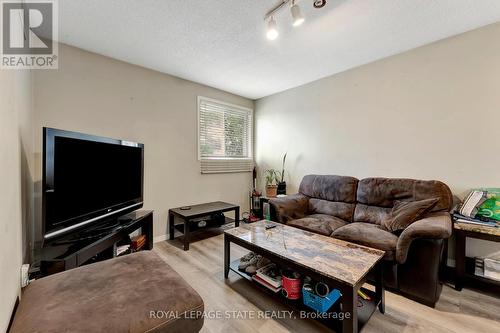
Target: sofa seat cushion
x=318 y=223
x=133 y=293
x=369 y=234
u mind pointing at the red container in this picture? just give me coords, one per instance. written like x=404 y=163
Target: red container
x=291 y=284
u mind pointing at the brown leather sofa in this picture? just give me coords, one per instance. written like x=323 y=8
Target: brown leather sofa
x=353 y=210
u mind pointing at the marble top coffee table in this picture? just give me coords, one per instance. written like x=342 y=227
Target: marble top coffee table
x=339 y=264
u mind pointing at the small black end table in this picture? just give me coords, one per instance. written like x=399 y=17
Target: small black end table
x=462 y=232
x=198 y=211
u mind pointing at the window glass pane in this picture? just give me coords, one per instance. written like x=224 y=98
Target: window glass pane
x=235 y=135
x=225 y=131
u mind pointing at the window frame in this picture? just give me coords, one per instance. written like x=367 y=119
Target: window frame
x=200 y=99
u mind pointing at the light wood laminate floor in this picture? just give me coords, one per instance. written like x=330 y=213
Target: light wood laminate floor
x=202 y=267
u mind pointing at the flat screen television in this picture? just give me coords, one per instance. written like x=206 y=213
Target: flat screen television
x=88 y=179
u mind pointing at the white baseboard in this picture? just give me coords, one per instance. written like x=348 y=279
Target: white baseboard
x=161 y=238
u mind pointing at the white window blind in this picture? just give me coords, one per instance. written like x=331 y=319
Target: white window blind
x=224 y=137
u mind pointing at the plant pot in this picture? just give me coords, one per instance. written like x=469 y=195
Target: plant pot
x=271 y=191
x=281 y=188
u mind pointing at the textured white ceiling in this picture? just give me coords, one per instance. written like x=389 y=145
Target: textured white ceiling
x=222 y=43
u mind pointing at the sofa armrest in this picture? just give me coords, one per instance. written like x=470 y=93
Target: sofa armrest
x=434 y=226
x=288 y=208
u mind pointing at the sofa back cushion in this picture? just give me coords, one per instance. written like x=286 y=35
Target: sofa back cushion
x=376 y=196
x=382 y=192
x=331 y=188
x=332 y=195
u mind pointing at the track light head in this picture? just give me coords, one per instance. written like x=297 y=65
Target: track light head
x=319 y=3
x=272 y=29
x=298 y=19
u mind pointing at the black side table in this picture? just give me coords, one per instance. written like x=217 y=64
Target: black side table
x=462 y=231
x=197 y=211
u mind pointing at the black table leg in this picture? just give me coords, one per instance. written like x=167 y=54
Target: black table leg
x=147 y=230
x=237 y=217
x=186 y=235
x=379 y=287
x=227 y=256
x=459 y=259
x=171 y=226
x=444 y=260
x=350 y=310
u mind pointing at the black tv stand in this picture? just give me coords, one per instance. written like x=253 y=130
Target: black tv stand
x=99 y=231
x=95 y=244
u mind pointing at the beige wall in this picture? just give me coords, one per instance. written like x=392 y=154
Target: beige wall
x=16 y=184
x=98 y=95
x=430 y=113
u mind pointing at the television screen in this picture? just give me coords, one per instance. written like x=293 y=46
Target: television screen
x=88 y=178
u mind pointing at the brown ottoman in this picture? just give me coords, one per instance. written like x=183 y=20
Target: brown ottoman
x=134 y=293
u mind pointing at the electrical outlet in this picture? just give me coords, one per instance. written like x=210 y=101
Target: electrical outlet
x=25 y=280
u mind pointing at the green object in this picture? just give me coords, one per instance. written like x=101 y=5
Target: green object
x=490 y=208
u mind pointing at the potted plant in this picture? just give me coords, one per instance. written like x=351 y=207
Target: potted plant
x=280 y=179
x=271 y=180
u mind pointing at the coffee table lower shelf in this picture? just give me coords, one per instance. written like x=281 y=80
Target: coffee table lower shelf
x=364 y=312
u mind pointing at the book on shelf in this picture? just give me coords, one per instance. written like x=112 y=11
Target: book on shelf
x=470 y=220
x=270 y=274
x=138 y=242
x=122 y=249
x=485 y=224
x=479 y=266
x=265 y=284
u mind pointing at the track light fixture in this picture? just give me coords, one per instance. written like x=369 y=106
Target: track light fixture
x=319 y=3
x=297 y=17
x=272 y=29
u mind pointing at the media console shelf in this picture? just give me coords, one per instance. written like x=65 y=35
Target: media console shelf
x=66 y=255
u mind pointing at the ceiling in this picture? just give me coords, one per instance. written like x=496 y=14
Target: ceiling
x=222 y=43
